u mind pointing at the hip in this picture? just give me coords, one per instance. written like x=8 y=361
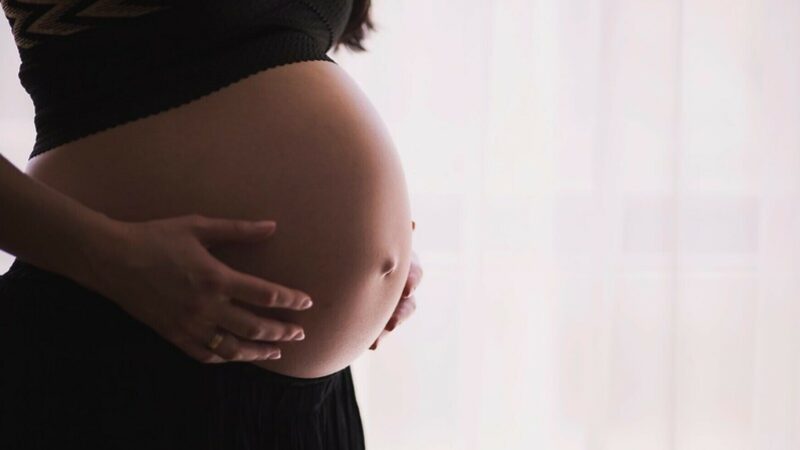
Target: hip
x=77 y=366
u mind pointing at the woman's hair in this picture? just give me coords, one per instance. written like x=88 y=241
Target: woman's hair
x=357 y=27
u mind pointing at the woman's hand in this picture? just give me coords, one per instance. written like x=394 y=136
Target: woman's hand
x=163 y=275
x=407 y=304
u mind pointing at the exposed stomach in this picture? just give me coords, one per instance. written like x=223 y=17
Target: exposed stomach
x=299 y=144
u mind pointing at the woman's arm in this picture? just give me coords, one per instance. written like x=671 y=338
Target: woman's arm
x=159 y=271
x=42 y=226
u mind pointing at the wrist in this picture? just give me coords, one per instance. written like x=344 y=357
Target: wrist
x=100 y=244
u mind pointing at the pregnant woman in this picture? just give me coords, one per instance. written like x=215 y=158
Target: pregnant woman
x=146 y=307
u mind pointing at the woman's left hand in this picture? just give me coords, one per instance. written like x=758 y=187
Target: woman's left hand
x=407 y=304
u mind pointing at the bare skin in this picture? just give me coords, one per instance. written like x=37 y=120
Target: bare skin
x=299 y=144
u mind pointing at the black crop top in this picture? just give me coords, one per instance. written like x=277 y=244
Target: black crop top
x=89 y=65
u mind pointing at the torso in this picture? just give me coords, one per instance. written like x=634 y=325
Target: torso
x=299 y=144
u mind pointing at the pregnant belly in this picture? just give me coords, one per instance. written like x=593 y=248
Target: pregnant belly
x=299 y=144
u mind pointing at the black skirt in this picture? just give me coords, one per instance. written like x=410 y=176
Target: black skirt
x=78 y=372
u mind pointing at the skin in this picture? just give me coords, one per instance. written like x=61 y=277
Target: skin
x=408 y=303
x=299 y=144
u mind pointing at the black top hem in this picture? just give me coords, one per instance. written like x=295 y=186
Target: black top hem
x=170 y=87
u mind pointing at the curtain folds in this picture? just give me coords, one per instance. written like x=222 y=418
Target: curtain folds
x=607 y=198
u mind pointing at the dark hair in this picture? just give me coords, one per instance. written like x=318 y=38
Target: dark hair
x=357 y=27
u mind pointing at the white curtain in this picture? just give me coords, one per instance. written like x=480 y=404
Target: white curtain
x=607 y=199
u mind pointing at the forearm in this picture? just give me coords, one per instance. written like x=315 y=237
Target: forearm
x=41 y=225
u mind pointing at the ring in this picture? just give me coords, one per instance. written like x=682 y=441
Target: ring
x=215 y=341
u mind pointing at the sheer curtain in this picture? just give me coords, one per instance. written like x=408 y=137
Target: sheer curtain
x=607 y=199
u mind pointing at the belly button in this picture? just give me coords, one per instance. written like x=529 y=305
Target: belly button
x=388 y=267
x=413 y=225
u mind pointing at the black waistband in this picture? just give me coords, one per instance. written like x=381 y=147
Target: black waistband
x=23 y=269
x=24 y=272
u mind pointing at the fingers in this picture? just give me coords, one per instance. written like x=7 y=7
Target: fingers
x=195 y=340
x=378 y=339
x=198 y=352
x=253 y=327
x=403 y=311
x=260 y=292
x=211 y=230
x=415 y=263
x=232 y=348
x=246 y=287
x=413 y=280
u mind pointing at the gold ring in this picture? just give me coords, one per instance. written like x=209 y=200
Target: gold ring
x=215 y=341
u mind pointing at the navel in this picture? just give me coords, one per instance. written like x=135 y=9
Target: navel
x=389 y=265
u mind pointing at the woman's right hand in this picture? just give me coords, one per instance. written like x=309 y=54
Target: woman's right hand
x=164 y=276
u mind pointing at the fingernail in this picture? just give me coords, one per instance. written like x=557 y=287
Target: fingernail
x=306 y=303
x=300 y=337
x=276 y=355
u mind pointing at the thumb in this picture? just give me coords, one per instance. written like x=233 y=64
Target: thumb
x=215 y=230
